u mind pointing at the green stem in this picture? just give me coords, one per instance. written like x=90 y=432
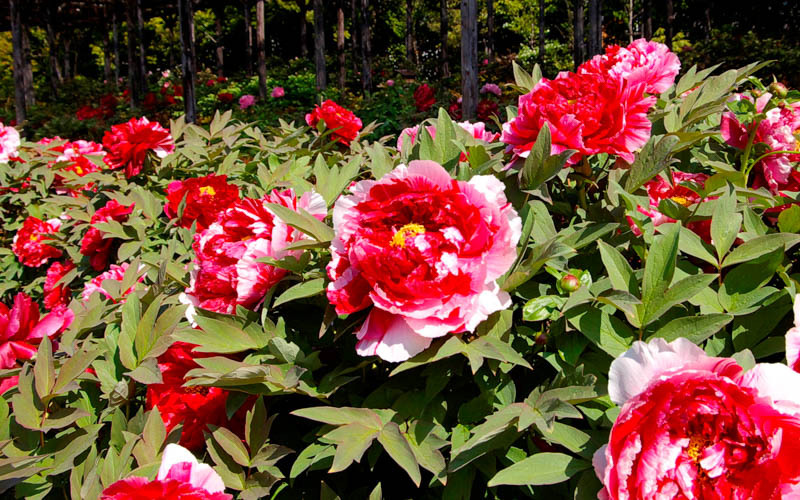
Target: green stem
x=770 y=153
x=746 y=155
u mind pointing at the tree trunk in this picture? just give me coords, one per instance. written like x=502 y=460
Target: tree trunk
x=67 y=59
x=303 y=28
x=319 y=45
x=647 y=20
x=578 y=44
x=630 y=21
x=490 y=28
x=541 y=30
x=355 y=34
x=261 y=50
x=115 y=42
x=409 y=31
x=106 y=49
x=366 y=49
x=340 y=44
x=248 y=37
x=52 y=48
x=444 y=29
x=19 y=61
x=134 y=78
x=595 y=28
x=140 y=34
x=708 y=22
x=186 y=21
x=220 y=49
x=670 y=19
x=469 y=58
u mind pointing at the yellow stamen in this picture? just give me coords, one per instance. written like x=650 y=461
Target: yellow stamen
x=34 y=237
x=208 y=190
x=680 y=200
x=571 y=101
x=697 y=445
x=409 y=230
x=78 y=170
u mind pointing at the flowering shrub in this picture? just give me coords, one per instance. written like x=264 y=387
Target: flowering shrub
x=598 y=303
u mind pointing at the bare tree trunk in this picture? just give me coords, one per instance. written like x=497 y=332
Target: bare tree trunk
x=261 y=49
x=366 y=49
x=18 y=59
x=115 y=42
x=319 y=45
x=219 y=12
x=469 y=58
x=490 y=28
x=67 y=60
x=340 y=44
x=140 y=34
x=409 y=31
x=355 y=34
x=106 y=49
x=647 y=20
x=541 y=30
x=188 y=61
x=630 y=21
x=248 y=37
x=578 y=44
x=303 y=29
x=708 y=22
x=444 y=29
x=595 y=28
x=52 y=48
x=134 y=78
x=670 y=19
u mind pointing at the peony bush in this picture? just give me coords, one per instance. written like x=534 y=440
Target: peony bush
x=595 y=300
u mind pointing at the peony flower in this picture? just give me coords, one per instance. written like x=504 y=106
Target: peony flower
x=776 y=131
x=205 y=198
x=491 y=88
x=116 y=273
x=225 y=97
x=455 y=111
x=793 y=339
x=590 y=113
x=425 y=250
x=278 y=92
x=72 y=159
x=410 y=134
x=487 y=109
x=94 y=245
x=658 y=189
x=344 y=123
x=9 y=143
x=128 y=144
x=477 y=130
x=180 y=476
x=246 y=101
x=390 y=83
x=57 y=294
x=424 y=98
x=641 y=62
x=195 y=407
x=694 y=426
x=227 y=272
x=21 y=330
x=29 y=244
x=165 y=73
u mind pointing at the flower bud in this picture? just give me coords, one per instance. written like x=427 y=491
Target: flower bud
x=778 y=89
x=570 y=283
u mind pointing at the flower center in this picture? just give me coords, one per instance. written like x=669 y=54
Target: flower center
x=207 y=190
x=697 y=444
x=78 y=170
x=34 y=237
x=196 y=389
x=407 y=231
x=681 y=200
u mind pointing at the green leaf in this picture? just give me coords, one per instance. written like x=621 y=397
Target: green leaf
x=352 y=440
x=131 y=312
x=255 y=432
x=74 y=367
x=725 y=222
x=146 y=335
x=681 y=291
x=341 y=416
x=523 y=80
x=541 y=468
x=232 y=445
x=222 y=337
x=659 y=269
x=694 y=328
x=756 y=247
x=654 y=157
x=619 y=271
x=606 y=332
x=301 y=290
x=303 y=221
x=398 y=448
x=789 y=220
x=43 y=370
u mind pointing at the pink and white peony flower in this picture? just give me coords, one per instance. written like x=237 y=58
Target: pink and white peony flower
x=425 y=251
x=641 y=62
x=9 y=143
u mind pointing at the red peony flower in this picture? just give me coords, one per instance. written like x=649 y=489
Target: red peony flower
x=590 y=113
x=227 y=271
x=128 y=144
x=425 y=250
x=29 y=243
x=343 y=122
x=424 y=98
x=225 y=97
x=93 y=244
x=88 y=112
x=693 y=426
x=487 y=109
x=456 y=113
x=641 y=62
x=72 y=159
x=57 y=294
x=194 y=407
x=150 y=101
x=205 y=198
x=180 y=477
x=21 y=330
x=116 y=273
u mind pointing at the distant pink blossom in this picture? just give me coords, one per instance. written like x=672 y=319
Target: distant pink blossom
x=165 y=73
x=278 y=92
x=390 y=83
x=425 y=251
x=246 y=101
x=477 y=130
x=491 y=88
x=793 y=339
x=116 y=273
x=9 y=142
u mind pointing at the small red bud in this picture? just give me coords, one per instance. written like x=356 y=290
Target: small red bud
x=778 y=89
x=570 y=283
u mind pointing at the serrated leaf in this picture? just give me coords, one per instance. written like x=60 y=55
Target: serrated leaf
x=398 y=448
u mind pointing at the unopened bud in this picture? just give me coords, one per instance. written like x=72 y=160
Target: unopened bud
x=778 y=89
x=570 y=283
x=756 y=93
